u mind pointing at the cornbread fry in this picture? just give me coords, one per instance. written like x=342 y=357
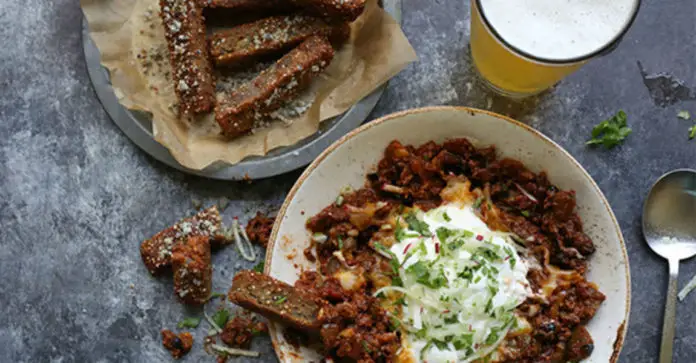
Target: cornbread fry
x=156 y=252
x=192 y=270
x=237 y=112
x=276 y=300
x=245 y=43
x=336 y=9
x=348 y=10
x=188 y=54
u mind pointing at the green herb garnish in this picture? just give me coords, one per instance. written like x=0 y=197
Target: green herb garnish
x=446 y=217
x=692 y=132
x=684 y=115
x=478 y=202
x=216 y=295
x=220 y=317
x=417 y=225
x=189 y=323
x=259 y=267
x=339 y=201
x=525 y=213
x=610 y=132
x=366 y=347
x=281 y=299
x=340 y=242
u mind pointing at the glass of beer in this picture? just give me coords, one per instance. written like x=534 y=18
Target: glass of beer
x=523 y=47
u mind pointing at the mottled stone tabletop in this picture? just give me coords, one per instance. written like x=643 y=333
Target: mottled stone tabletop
x=77 y=197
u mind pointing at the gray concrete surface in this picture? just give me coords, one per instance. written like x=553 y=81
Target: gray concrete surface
x=76 y=196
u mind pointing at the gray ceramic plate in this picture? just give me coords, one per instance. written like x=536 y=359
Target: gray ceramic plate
x=138 y=126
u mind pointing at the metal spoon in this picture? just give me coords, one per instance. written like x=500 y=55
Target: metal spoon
x=669 y=227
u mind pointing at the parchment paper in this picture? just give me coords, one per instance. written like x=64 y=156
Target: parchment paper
x=130 y=37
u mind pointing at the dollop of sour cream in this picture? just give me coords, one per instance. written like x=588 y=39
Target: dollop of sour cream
x=461 y=283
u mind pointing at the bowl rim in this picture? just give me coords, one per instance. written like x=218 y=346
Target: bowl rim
x=623 y=328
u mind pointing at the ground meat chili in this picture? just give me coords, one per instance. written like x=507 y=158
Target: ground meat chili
x=357 y=326
x=259 y=229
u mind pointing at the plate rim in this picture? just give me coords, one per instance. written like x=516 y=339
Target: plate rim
x=254 y=167
x=623 y=328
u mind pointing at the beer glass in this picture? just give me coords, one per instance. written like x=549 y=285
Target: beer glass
x=523 y=47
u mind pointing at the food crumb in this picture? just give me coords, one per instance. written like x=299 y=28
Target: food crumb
x=177 y=345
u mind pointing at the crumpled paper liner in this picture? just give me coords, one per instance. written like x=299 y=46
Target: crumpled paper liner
x=130 y=37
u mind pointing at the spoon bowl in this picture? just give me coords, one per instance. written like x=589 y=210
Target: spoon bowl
x=669 y=227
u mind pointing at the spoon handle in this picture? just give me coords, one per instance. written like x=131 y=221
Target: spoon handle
x=670 y=314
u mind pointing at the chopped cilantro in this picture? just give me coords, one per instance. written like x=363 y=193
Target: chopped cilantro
x=443 y=233
x=393 y=261
x=394 y=323
x=189 y=323
x=259 y=267
x=220 y=317
x=216 y=295
x=525 y=213
x=692 y=132
x=463 y=341
x=610 y=132
x=446 y=217
x=493 y=336
x=339 y=201
x=281 y=299
x=340 y=242
x=478 y=202
x=425 y=349
x=366 y=347
x=417 y=225
x=684 y=115
x=421 y=270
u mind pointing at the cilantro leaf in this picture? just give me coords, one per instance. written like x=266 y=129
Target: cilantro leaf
x=417 y=225
x=692 y=132
x=189 y=323
x=220 y=317
x=446 y=217
x=216 y=295
x=259 y=267
x=684 y=115
x=610 y=132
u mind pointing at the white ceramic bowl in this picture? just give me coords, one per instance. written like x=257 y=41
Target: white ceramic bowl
x=348 y=161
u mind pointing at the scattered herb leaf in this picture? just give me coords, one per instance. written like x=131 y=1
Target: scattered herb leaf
x=692 y=132
x=478 y=202
x=610 y=132
x=366 y=347
x=189 y=323
x=281 y=300
x=216 y=295
x=220 y=317
x=446 y=217
x=525 y=213
x=259 y=267
x=684 y=115
x=340 y=242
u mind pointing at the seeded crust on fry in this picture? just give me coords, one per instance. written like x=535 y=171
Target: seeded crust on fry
x=245 y=43
x=237 y=112
x=247 y=5
x=184 y=29
x=276 y=300
x=192 y=270
x=156 y=252
x=336 y=9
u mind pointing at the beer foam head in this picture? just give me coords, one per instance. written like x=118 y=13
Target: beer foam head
x=558 y=29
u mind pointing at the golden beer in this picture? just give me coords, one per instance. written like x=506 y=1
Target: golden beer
x=517 y=60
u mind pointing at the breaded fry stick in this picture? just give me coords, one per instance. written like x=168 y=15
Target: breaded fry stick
x=335 y=9
x=276 y=300
x=193 y=271
x=269 y=90
x=246 y=5
x=246 y=43
x=156 y=252
x=188 y=54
